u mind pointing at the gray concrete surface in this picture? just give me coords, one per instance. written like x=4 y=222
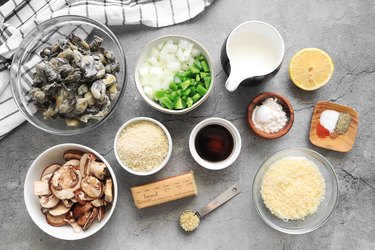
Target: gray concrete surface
x=345 y=29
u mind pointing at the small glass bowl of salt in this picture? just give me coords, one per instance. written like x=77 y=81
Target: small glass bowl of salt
x=270 y=115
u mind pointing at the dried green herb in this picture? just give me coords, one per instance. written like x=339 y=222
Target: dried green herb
x=343 y=123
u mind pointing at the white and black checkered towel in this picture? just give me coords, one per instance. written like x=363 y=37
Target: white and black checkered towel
x=18 y=17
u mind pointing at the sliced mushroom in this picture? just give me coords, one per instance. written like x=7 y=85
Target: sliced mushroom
x=98 y=169
x=41 y=188
x=74 y=200
x=101 y=213
x=60 y=209
x=80 y=210
x=92 y=186
x=65 y=181
x=77 y=228
x=108 y=190
x=88 y=198
x=85 y=162
x=48 y=201
x=44 y=210
x=74 y=163
x=69 y=215
x=84 y=219
x=80 y=196
x=56 y=221
x=92 y=217
x=67 y=203
x=98 y=202
x=46 y=177
x=50 y=169
x=73 y=154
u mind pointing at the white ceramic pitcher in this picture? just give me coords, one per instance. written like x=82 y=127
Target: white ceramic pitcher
x=253 y=52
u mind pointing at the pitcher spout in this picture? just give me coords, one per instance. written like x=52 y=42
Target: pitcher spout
x=233 y=81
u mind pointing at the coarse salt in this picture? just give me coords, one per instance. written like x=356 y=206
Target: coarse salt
x=328 y=119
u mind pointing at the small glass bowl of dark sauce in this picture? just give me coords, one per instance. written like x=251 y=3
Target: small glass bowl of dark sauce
x=215 y=143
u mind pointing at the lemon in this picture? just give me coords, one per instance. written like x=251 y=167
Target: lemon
x=311 y=68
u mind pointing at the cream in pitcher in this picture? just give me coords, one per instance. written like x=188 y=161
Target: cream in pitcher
x=254 y=49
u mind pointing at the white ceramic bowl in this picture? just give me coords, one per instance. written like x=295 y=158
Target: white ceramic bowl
x=145 y=53
x=236 y=139
x=48 y=157
x=164 y=162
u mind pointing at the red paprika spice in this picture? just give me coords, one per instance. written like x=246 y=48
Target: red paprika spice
x=321 y=131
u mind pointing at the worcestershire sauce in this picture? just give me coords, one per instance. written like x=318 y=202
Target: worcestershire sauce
x=214 y=143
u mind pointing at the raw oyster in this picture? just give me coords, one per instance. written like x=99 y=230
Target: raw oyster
x=76 y=80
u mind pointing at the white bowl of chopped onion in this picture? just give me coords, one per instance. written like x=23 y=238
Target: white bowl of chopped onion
x=174 y=74
x=143 y=146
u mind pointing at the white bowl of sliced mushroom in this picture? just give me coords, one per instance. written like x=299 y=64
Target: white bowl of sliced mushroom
x=70 y=191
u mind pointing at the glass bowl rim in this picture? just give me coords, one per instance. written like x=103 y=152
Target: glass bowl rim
x=333 y=174
x=30 y=38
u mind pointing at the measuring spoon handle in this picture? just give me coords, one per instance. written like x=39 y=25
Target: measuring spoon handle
x=221 y=199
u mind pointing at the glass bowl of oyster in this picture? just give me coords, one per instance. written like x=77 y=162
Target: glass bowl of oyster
x=68 y=75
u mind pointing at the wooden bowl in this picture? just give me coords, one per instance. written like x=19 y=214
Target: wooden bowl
x=342 y=143
x=287 y=107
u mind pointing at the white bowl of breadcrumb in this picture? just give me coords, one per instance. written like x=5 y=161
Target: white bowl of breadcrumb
x=143 y=146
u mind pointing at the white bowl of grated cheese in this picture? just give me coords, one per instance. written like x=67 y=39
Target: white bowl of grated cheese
x=143 y=146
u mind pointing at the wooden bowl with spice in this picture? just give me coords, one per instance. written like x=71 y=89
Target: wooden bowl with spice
x=333 y=126
x=270 y=115
x=143 y=146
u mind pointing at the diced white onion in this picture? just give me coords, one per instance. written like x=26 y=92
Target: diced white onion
x=185 y=66
x=183 y=44
x=195 y=52
x=180 y=55
x=186 y=56
x=160 y=45
x=153 y=61
x=156 y=71
x=155 y=52
x=191 y=61
x=171 y=48
x=149 y=91
x=163 y=61
x=143 y=71
x=189 y=48
x=145 y=80
x=171 y=58
x=163 y=55
x=174 y=66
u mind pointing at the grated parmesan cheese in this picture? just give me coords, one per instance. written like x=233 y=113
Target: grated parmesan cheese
x=142 y=146
x=292 y=188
